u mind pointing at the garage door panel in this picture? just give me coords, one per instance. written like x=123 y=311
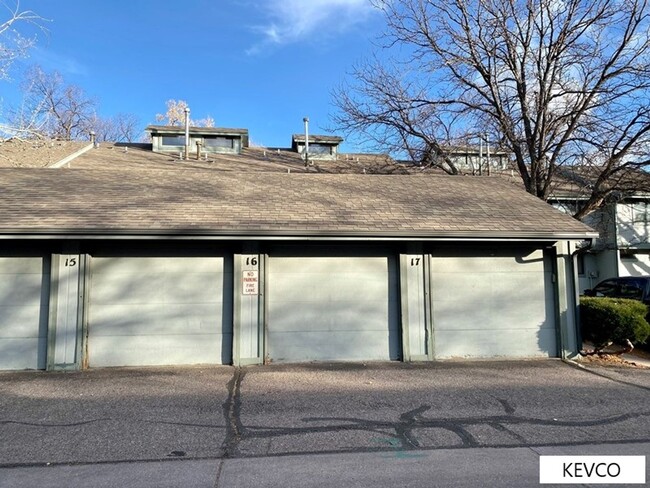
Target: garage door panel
x=532 y=260
x=298 y=286
x=336 y=266
x=24 y=289
x=159 y=280
x=21 y=266
x=22 y=321
x=296 y=316
x=493 y=306
x=166 y=319
x=155 y=265
x=175 y=349
x=484 y=343
x=324 y=345
x=332 y=308
x=159 y=289
x=23 y=353
x=24 y=292
x=459 y=317
x=477 y=286
x=158 y=311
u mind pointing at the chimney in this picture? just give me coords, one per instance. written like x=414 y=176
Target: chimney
x=187 y=133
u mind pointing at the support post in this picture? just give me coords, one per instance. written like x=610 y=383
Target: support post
x=566 y=301
x=248 y=312
x=66 y=311
x=416 y=330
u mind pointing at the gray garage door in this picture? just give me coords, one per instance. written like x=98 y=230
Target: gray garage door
x=493 y=306
x=24 y=290
x=332 y=308
x=159 y=311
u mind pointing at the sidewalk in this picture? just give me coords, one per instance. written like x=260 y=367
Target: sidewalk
x=502 y=467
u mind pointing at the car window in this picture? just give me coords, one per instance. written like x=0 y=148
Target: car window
x=631 y=290
x=607 y=289
x=628 y=288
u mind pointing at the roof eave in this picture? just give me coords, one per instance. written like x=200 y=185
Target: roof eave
x=184 y=234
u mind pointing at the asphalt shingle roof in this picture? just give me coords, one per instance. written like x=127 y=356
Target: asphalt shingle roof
x=109 y=202
x=36 y=153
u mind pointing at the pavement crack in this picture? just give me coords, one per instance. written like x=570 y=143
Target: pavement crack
x=509 y=409
x=231 y=412
x=503 y=428
x=218 y=477
x=46 y=424
x=404 y=429
x=466 y=437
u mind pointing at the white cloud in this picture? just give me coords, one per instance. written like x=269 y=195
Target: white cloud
x=291 y=21
x=66 y=65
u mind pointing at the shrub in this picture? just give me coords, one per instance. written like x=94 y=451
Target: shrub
x=613 y=320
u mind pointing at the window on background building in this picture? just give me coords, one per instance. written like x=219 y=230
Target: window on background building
x=173 y=140
x=640 y=213
x=320 y=149
x=640 y=219
x=219 y=142
x=581 y=264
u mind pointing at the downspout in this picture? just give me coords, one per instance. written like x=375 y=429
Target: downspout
x=617 y=252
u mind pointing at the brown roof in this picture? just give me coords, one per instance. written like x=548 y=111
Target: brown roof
x=317 y=138
x=162 y=202
x=179 y=129
x=577 y=182
x=364 y=164
x=254 y=159
x=133 y=156
x=36 y=153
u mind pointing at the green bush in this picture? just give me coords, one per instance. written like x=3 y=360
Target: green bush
x=605 y=320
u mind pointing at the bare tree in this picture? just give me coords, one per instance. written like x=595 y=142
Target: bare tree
x=60 y=110
x=50 y=108
x=123 y=127
x=559 y=83
x=13 y=44
x=175 y=115
x=128 y=127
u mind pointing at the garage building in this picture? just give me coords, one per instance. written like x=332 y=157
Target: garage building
x=156 y=267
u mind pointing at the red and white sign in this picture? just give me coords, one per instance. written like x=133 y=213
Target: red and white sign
x=250 y=282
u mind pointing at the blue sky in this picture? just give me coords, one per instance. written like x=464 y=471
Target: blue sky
x=256 y=64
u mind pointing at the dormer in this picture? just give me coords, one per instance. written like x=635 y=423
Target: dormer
x=168 y=138
x=320 y=147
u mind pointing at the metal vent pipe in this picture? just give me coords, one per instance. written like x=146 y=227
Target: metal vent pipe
x=187 y=133
x=306 y=121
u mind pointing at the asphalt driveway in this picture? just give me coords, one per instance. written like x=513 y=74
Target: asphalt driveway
x=212 y=413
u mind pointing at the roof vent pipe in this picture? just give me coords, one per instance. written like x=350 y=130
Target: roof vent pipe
x=487 y=139
x=306 y=121
x=480 y=155
x=187 y=133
